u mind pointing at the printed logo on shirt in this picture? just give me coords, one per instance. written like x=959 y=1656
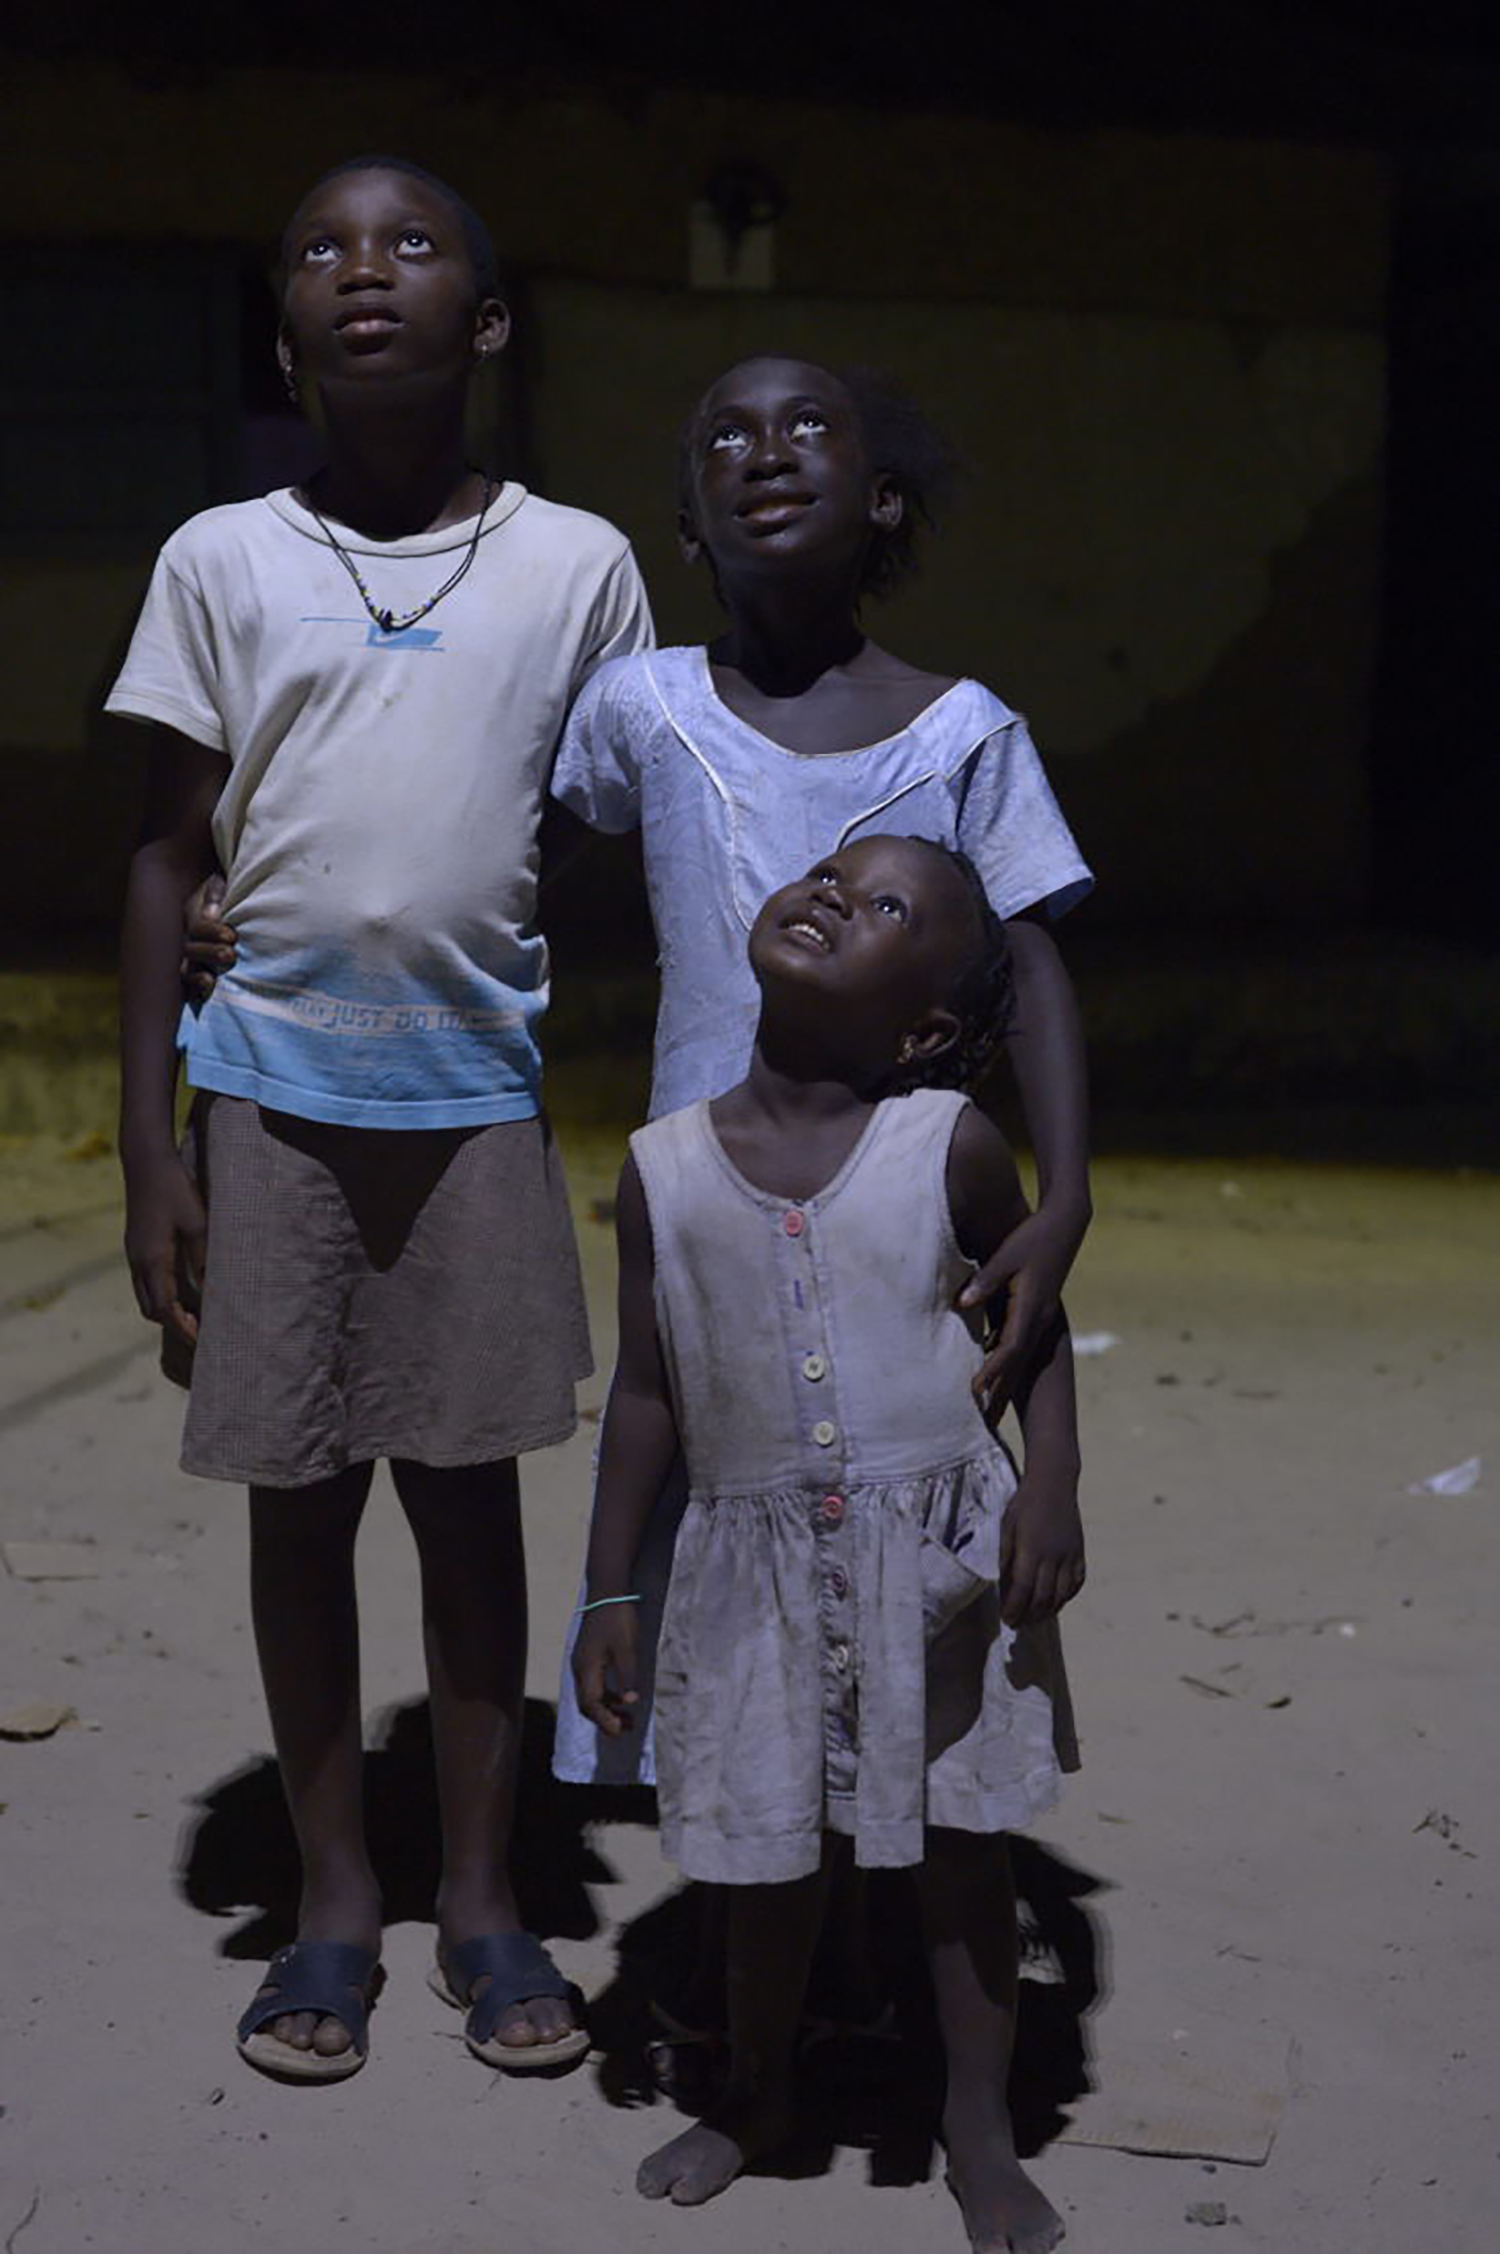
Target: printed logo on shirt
x=329 y=1013
x=408 y=638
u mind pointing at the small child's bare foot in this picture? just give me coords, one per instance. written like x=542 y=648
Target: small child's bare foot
x=705 y=2159
x=1004 y=2212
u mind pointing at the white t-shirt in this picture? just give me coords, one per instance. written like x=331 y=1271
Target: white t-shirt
x=379 y=825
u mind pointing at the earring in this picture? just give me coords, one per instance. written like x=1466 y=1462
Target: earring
x=289 y=378
x=907 y=1053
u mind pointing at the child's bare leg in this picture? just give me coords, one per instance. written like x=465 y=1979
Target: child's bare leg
x=969 y=1914
x=844 y=1993
x=772 y=1932
x=702 y=2002
x=307 y=1635
x=467 y=1525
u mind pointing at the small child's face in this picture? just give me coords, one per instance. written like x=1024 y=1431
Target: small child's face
x=874 y=936
x=779 y=469
x=380 y=284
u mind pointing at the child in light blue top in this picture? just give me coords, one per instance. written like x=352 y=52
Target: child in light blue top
x=726 y=814
x=791 y=736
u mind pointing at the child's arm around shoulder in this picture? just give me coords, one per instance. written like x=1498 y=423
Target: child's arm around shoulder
x=985 y=1198
x=636 y=1452
x=1010 y=825
x=1046 y=1055
x=1041 y=1550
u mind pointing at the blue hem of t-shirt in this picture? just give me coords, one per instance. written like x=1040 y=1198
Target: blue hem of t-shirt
x=216 y=1078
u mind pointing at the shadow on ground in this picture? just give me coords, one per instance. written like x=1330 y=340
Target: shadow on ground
x=877 y=2089
x=238 y=1858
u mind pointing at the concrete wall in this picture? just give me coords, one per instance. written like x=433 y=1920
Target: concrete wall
x=1161 y=361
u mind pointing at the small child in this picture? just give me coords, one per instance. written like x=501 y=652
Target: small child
x=354 y=692
x=860 y=1632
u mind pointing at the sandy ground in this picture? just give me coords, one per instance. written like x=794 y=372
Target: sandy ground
x=1279 y=1859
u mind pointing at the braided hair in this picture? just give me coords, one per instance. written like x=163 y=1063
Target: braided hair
x=982 y=996
x=912 y=452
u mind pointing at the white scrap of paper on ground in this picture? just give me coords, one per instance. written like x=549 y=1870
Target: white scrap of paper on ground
x=1458 y=1479
x=1094 y=1341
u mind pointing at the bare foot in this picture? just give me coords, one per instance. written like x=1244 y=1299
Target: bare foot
x=705 y=2159
x=1004 y=2212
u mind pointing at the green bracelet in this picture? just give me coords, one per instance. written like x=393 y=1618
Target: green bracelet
x=598 y=1601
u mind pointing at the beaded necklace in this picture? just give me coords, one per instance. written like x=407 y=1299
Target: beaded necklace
x=389 y=621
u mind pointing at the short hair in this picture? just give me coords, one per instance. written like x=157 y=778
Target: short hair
x=982 y=996
x=909 y=449
x=478 y=240
x=902 y=444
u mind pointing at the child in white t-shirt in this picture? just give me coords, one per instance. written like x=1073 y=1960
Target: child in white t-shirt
x=354 y=692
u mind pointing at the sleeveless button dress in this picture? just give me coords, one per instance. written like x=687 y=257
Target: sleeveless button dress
x=727 y=816
x=832 y=1654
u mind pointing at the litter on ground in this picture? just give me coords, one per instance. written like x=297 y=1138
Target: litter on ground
x=1458 y=1479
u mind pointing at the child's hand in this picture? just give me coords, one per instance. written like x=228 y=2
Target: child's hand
x=1041 y=1547
x=604 y=1667
x=165 y=1240
x=208 y=946
x=1034 y=1261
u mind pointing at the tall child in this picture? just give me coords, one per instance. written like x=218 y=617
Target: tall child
x=859 y=1633
x=791 y=734
x=354 y=692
